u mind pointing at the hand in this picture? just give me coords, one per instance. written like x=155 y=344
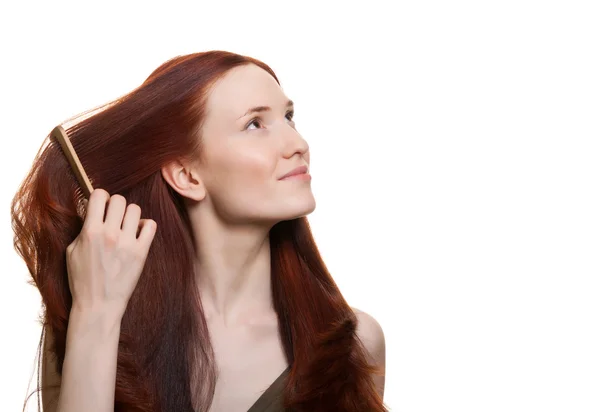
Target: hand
x=105 y=260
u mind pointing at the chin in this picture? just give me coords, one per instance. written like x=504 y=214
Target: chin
x=305 y=212
x=299 y=210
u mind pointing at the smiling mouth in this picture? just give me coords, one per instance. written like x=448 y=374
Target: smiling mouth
x=299 y=176
x=297 y=173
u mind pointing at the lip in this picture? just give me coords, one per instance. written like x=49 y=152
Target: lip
x=294 y=172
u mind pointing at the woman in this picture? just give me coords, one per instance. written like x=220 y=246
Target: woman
x=223 y=294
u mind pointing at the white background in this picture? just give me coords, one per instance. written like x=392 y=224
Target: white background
x=455 y=152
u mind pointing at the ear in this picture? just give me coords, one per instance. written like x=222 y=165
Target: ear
x=184 y=179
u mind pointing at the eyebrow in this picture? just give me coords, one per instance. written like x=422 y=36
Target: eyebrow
x=259 y=109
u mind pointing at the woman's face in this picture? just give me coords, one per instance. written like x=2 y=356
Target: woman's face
x=249 y=143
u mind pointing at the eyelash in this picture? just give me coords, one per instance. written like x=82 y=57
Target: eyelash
x=255 y=119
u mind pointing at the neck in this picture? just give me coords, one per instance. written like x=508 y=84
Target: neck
x=233 y=267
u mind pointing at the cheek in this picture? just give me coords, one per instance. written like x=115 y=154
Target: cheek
x=256 y=166
x=243 y=173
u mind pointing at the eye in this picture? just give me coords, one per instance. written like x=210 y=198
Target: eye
x=253 y=121
x=256 y=120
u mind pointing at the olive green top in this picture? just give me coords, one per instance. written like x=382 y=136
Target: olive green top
x=271 y=399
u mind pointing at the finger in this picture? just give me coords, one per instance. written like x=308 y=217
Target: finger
x=115 y=212
x=96 y=208
x=147 y=232
x=131 y=220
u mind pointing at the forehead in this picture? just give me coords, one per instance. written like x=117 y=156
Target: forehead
x=241 y=88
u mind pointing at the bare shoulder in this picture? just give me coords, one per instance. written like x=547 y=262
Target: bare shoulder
x=371 y=335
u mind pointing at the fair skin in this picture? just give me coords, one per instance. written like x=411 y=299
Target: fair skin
x=235 y=195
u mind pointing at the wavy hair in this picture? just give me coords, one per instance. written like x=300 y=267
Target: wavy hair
x=165 y=359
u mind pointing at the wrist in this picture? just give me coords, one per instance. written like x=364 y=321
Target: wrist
x=97 y=310
x=100 y=322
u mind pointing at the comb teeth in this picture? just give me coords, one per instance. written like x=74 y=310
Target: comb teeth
x=61 y=135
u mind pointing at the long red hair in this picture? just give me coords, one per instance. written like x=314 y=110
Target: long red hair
x=165 y=359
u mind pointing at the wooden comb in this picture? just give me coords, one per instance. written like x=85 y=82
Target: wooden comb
x=61 y=135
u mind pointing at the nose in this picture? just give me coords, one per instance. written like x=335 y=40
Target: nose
x=294 y=143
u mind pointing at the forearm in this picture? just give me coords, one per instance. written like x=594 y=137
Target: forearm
x=90 y=365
